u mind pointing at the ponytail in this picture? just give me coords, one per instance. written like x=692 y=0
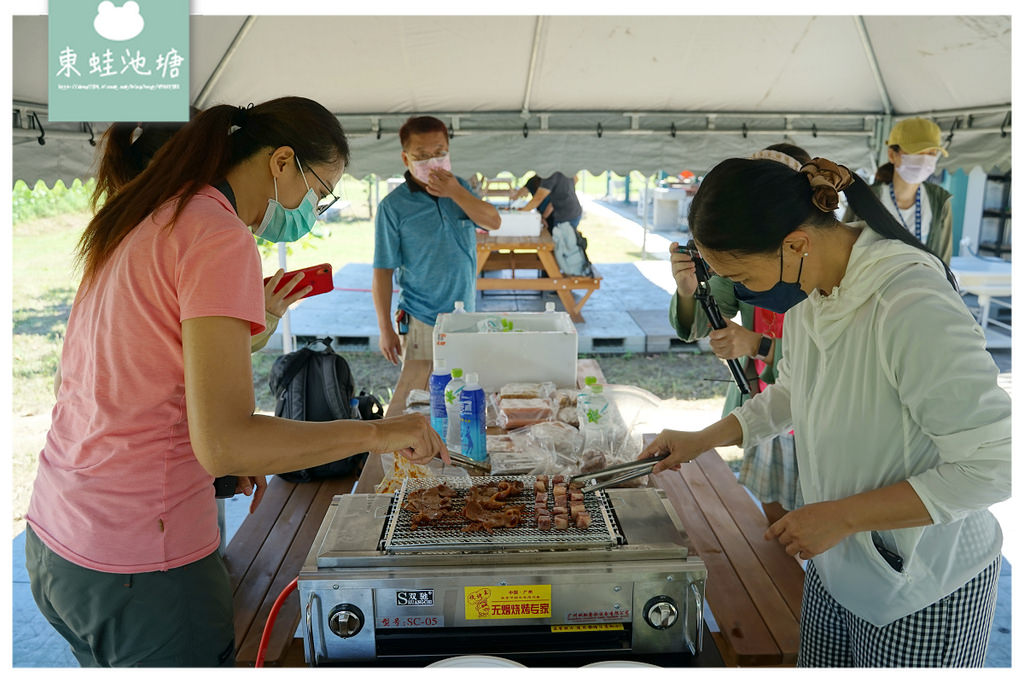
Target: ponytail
x=206 y=148
x=117 y=165
x=866 y=205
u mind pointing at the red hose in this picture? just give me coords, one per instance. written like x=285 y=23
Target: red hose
x=270 y=620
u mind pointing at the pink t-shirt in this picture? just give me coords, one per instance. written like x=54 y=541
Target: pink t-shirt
x=118 y=487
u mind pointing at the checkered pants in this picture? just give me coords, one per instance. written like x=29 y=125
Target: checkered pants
x=951 y=632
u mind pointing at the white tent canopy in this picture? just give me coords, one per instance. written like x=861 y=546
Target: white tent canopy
x=572 y=92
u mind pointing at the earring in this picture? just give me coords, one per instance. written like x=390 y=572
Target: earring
x=805 y=253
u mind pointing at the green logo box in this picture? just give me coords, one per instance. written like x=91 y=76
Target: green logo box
x=126 y=60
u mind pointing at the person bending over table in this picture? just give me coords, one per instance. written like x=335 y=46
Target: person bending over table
x=156 y=398
x=555 y=198
x=898 y=463
x=769 y=468
x=425 y=237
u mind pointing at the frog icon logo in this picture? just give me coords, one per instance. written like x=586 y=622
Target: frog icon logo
x=478 y=600
x=118 y=23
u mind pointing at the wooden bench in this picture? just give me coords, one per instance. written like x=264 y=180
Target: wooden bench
x=265 y=554
x=754 y=589
x=531 y=253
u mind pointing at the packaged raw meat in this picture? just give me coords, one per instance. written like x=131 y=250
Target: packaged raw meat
x=562 y=438
x=567 y=414
x=520 y=412
x=564 y=398
x=526 y=390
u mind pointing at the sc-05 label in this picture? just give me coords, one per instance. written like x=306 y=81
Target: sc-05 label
x=406 y=621
x=417 y=598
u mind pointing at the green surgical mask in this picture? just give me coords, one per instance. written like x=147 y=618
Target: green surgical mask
x=287 y=225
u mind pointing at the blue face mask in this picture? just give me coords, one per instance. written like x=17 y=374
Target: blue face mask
x=287 y=225
x=780 y=298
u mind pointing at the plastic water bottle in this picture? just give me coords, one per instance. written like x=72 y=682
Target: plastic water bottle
x=439 y=379
x=591 y=405
x=354 y=409
x=592 y=412
x=473 y=416
x=453 y=406
x=460 y=307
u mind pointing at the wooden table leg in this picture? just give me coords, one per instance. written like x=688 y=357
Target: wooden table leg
x=562 y=284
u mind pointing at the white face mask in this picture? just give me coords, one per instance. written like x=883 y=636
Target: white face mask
x=916 y=168
x=421 y=169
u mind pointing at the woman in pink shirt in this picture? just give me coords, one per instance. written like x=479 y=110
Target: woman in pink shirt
x=156 y=397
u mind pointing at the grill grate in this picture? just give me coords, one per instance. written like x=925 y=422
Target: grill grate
x=447 y=535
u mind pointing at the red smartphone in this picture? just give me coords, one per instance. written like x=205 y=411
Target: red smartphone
x=320 y=277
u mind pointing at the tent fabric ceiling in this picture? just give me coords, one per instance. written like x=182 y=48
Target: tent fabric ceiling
x=728 y=85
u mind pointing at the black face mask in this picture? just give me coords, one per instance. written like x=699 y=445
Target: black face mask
x=780 y=298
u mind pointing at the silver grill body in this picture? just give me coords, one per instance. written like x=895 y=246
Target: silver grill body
x=373 y=589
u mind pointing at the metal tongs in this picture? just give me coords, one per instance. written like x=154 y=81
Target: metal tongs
x=618 y=473
x=462 y=461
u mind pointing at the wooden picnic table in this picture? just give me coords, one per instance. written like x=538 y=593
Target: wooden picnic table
x=753 y=589
x=531 y=253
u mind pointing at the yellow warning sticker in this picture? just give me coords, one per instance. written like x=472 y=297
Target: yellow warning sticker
x=508 y=602
x=574 y=628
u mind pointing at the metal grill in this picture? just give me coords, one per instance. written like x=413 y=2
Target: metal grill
x=447 y=535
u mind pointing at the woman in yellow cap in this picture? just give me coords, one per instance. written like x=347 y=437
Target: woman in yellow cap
x=925 y=209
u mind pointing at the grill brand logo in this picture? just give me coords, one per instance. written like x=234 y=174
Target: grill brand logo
x=419 y=598
x=118 y=61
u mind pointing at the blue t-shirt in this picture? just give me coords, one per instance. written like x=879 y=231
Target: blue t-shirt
x=430 y=243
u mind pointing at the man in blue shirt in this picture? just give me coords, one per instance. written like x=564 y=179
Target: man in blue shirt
x=426 y=239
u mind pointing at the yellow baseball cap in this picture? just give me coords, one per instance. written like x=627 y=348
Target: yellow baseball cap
x=915 y=136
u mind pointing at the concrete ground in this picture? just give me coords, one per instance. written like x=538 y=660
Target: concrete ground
x=628 y=314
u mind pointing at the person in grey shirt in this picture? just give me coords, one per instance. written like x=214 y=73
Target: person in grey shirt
x=555 y=198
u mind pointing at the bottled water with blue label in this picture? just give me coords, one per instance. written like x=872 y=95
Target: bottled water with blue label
x=473 y=415
x=439 y=379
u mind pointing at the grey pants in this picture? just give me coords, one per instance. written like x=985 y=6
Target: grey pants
x=180 y=617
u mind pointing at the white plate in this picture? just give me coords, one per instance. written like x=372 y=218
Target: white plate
x=476 y=661
x=619 y=664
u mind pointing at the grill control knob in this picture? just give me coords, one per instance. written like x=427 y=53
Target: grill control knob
x=345 y=620
x=661 y=612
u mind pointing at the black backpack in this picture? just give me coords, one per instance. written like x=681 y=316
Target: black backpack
x=317 y=386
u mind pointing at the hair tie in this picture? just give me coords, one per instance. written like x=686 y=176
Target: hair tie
x=241 y=116
x=827 y=180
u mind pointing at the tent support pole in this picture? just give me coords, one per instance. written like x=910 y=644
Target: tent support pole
x=204 y=94
x=537 y=28
x=869 y=52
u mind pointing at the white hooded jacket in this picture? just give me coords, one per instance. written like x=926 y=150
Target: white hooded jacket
x=887 y=379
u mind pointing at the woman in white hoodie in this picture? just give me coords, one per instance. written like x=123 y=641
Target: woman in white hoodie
x=905 y=435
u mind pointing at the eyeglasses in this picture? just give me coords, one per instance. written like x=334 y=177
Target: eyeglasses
x=326 y=202
x=428 y=157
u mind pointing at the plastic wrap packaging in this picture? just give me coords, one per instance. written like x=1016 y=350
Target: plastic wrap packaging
x=520 y=412
x=526 y=390
x=524 y=461
x=564 y=398
x=417 y=397
x=568 y=415
x=397 y=469
x=418 y=409
x=560 y=437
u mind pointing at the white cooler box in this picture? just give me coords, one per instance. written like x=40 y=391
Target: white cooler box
x=542 y=347
x=518 y=224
